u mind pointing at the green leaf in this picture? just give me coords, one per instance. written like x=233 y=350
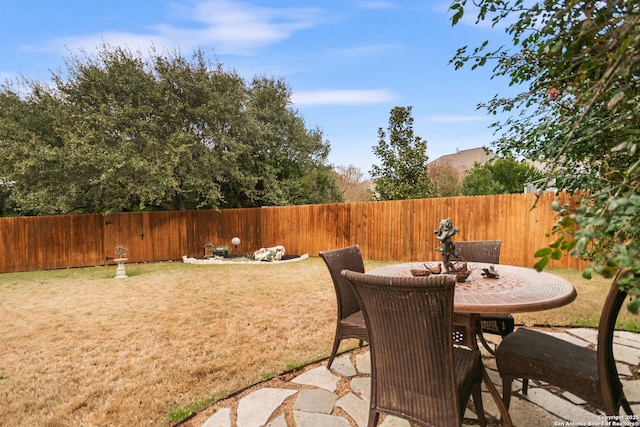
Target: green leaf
x=458 y=13
x=609 y=272
x=568 y=245
x=634 y=306
x=540 y=265
x=544 y=252
x=567 y=222
x=557 y=243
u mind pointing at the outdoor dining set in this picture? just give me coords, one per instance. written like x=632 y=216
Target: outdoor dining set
x=424 y=323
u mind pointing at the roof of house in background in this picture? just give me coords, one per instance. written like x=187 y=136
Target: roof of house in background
x=463 y=160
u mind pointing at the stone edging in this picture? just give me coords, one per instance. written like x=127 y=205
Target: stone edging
x=253 y=262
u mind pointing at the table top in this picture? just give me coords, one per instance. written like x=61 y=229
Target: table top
x=517 y=290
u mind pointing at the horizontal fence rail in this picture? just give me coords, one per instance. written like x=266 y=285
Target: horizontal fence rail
x=395 y=230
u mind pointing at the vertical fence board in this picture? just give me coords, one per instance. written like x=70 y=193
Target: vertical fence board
x=15 y=245
x=86 y=241
x=7 y=247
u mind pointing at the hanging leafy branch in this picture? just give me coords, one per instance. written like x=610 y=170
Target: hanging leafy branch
x=577 y=65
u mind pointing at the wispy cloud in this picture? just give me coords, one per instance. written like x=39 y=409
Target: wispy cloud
x=230 y=27
x=365 y=50
x=91 y=42
x=342 y=97
x=244 y=26
x=376 y=4
x=453 y=119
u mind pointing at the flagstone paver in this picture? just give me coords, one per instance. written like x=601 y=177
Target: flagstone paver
x=361 y=386
x=318 y=377
x=278 y=422
x=306 y=419
x=255 y=409
x=395 y=422
x=363 y=363
x=221 y=418
x=343 y=366
x=560 y=407
x=571 y=338
x=318 y=400
x=356 y=407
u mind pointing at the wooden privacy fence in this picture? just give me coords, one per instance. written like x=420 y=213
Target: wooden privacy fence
x=396 y=230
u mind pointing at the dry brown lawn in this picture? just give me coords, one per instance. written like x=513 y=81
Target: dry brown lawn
x=82 y=348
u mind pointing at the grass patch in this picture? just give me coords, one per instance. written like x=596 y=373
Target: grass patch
x=267 y=376
x=631 y=325
x=96 y=350
x=586 y=323
x=585 y=310
x=294 y=365
x=181 y=414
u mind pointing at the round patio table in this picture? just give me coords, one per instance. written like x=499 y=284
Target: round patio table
x=516 y=290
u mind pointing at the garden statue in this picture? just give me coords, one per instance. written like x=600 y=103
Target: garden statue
x=121 y=251
x=453 y=262
x=444 y=233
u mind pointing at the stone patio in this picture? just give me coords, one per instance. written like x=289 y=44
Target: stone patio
x=318 y=397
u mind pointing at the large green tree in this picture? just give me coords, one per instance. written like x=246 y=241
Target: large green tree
x=501 y=175
x=402 y=173
x=121 y=131
x=577 y=65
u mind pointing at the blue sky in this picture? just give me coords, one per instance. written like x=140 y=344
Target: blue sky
x=347 y=62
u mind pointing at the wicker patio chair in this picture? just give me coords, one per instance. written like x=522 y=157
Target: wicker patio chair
x=416 y=372
x=589 y=374
x=350 y=321
x=493 y=323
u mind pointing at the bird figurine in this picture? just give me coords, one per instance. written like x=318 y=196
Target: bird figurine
x=490 y=272
x=437 y=269
x=415 y=272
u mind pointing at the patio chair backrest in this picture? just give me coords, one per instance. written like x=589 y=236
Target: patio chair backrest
x=479 y=250
x=348 y=258
x=410 y=327
x=493 y=323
